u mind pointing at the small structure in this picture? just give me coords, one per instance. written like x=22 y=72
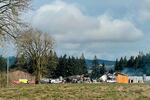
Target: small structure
x=139 y=79
x=21 y=77
x=121 y=78
x=147 y=79
x=136 y=79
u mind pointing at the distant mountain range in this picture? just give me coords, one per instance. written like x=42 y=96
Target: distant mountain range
x=109 y=64
x=101 y=61
x=12 y=60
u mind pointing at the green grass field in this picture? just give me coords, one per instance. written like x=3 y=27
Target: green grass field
x=77 y=92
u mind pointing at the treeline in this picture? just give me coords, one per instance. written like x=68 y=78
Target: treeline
x=68 y=66
x=3 y=65
x=134 y=65
x=57 y=66
x=97 y=69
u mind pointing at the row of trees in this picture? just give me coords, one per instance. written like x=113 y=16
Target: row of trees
x=140 y=63
x=56 y=66
x=62 y=66
x=97 y=69
x=71 y=66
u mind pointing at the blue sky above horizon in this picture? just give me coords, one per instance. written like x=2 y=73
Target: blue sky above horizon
x=106 y=28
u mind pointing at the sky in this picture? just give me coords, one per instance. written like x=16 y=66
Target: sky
x=109 y=29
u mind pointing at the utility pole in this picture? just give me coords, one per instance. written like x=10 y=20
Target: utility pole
x=7 y=71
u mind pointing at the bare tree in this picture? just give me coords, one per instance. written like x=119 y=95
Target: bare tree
x=10 y=11
x=36 y=46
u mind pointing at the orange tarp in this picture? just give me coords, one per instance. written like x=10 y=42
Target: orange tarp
x=120 y=78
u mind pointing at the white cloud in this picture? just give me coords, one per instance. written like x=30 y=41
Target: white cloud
x=116 y=30
x=146 y=2
x=60 y=17
x=144 y=15
x=144 y=10
x=67 y=23
x=75 y=32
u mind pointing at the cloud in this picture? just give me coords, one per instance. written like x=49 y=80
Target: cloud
x=146 y=2
x=144 y=15
x=60 y=17
x=67 y=23
x=144 y=10
x=76 y=32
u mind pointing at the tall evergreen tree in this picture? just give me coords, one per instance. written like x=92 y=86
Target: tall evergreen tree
x=52 y=64
x=116 y=65
x=102 y=69
x=121 y=63
x=95 y=68
x=125 y=62
x=3 y=64
x=69 y=67
x=136 y=63
x=83 y=64
x=61 y=69
x=131 y=62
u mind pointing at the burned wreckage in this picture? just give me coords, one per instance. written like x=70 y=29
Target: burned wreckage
x=116 y=77
x=69 y=79
x=124 y=78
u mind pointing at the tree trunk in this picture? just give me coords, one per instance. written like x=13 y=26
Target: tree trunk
x=38 y=76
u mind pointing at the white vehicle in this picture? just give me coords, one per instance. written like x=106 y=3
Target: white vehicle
x=55 y=81
x=111 y=81
x=103 y=78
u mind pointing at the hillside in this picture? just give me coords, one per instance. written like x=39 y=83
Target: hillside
x=106 y=62
x=12 y=60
